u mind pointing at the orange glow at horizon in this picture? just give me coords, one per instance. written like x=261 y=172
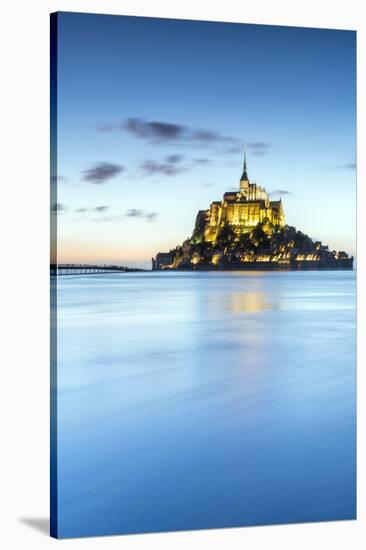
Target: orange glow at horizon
x=92 y=253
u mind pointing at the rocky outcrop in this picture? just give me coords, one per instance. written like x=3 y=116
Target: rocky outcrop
x=264 y=247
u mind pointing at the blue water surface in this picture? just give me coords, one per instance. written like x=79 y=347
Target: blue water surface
x=205 y=400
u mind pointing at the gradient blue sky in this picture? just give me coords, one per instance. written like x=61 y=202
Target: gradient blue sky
x=289 y=93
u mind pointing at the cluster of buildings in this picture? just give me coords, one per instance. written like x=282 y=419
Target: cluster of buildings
x=247 y=230
x=242 y=210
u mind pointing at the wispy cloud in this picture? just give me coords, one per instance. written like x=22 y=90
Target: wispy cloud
x=154 y=130
x=280 y=192
x=233 y=150
x=174 y=159
x=200 y=161
x=102 y=172
x=165 y=168
x=134 y=213
x=171 y=165
x=157 y=131
x=349 y=166
x=138 y=213
x=259 y=148
x=102 y=208
x=211 y=137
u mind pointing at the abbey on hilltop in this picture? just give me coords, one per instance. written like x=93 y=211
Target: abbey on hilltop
x=241 y=210
x=246 y=230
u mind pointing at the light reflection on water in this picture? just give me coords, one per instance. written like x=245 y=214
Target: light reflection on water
x=197 y=400
x=251 y=302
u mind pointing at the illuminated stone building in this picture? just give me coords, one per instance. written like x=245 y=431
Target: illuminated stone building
x=241 y=210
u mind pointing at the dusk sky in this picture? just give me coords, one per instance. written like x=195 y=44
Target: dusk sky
x=153 y=115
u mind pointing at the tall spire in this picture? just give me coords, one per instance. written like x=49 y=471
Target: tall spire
x=245 y=174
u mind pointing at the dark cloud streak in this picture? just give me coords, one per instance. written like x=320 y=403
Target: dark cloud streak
x=159 y=131
x=151 y=217
x=101 y=172
x=102 y=208
x=280 y=192
x=259 y=148
x=174 y=159
x=153 y=167
x=200 y=161
x=138 y=213
x=349 y=166
x=134 y=213
x=155 y=130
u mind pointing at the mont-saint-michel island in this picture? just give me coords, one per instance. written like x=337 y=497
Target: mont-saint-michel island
x=247 y=230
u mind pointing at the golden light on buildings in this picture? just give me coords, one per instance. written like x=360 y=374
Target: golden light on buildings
x=242 y=210
x=246 y=230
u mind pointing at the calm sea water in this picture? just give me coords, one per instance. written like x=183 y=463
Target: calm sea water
x=200 y=400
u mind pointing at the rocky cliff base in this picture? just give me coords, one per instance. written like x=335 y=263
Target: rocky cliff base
x=265 y=247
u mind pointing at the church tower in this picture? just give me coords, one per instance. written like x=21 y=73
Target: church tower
x=244 y=180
